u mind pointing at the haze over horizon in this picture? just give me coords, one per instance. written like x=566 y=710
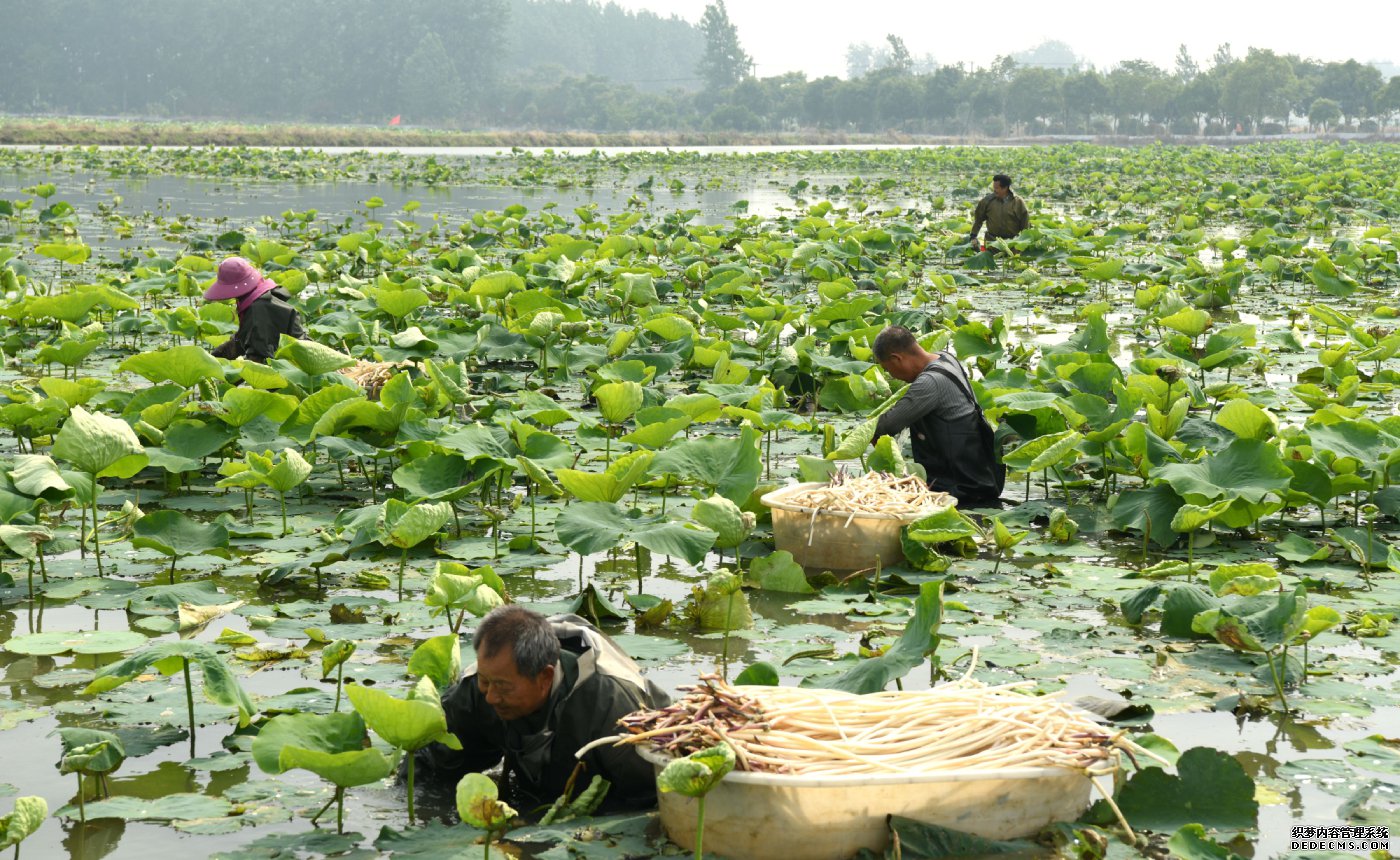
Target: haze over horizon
x=812 y=35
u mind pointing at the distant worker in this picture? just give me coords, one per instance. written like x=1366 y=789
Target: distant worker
x=264 y=314
x=1002 y=211
x=542 y=689
x=950 y=438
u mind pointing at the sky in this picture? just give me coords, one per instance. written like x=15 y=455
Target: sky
x=812 y=35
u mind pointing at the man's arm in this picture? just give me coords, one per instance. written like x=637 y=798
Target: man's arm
x=918 y=400
x=447 y=765
x=1023 y=215
x=979 y=217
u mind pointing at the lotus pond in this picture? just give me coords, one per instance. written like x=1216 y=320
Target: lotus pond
x=601 y=360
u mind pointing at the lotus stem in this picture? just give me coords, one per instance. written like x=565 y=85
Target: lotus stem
x=282 y=497
x=173 y=559
x=411 y=758
x=1278 y=682
x=96 y=539
x=403 y=560
x=323 y=809
x=189 y=699
x=340 y=809
x=339 y=684
x=82 y=806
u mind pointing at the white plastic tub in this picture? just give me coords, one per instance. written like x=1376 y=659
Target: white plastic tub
x=823 y=539
x=773 y=816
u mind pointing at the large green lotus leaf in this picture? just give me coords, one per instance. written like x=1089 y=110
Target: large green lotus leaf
x=1260 y=623
x=919 y=639
x=477 y=803
x=670 y=327
x=54 y=642
x=404 y=525
x=171 y=807
x=220 y=685
x=99 y=445
x=946 y=525
x=74 y=392
x=1245 y=579
x=262 y=376
x=779 y=572
x=1191 y=322
x=698 y=773
x=495 y=285
x=400 y=303
x=1179 y=611
x=183 y=365
x=1246 y=420
x=24 y=541
x=438 y=477
x=539 y=478
x=38 y=476
x=451 y=378
x=196 y=439
x=175 y=534
x=731 y=465
x=542 y=447
x=439 y=658
x=612 y=484
x=1320 y=619
x=345 y=769
x=1210 y=788
x=1190 y=517
x=334 y=654
x=407 y=724
x=90 y=751
x=242 y=405
x=657 y=432
x=311 y=357
x=1248 y=469
x=1150 y=509
x=347 y=416
x=282 y=473
x=1328 y=279
x=1044 y=451
x=618 y=401
x=591 y=527
x=329 y=745
x=1361 y=440
x=700 y=407
x=302 y=423
x=887 y=457
x=725 y=519
x=27 y=816
x=475 y=441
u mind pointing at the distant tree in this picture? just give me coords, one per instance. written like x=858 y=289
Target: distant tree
x=1050 y=54
x=1258 y=87
x=1035 y=93
x=429 y=88
x=1352 y=86
x=1200 y=99
x=1128 y=86
x=724 y=63
x=1186 y=68
x=1324 y=113
x=1086 y=94
x=900 y=61
x=1388 y=100
x=1223 y=57
x=860 y=60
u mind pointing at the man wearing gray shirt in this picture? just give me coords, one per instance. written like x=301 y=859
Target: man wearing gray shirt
x=950 y=438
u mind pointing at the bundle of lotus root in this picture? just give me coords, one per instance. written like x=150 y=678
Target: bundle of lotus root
x=371 y=375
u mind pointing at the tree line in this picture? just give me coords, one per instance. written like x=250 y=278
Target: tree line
x=580 y=65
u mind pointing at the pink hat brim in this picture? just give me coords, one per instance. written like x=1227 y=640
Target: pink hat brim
x=220 y=290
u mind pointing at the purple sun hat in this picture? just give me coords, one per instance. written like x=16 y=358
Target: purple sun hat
x=237 y=278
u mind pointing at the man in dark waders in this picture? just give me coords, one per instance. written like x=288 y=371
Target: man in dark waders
x=950 y=438
x=1002 y=211
x=543 y=688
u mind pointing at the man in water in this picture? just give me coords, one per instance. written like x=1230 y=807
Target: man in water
x=950 y=438
x=542 y=689
x=1002 y=211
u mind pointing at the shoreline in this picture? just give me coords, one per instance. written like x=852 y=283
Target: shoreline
x=75 y=131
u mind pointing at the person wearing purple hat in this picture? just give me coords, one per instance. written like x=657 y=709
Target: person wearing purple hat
x=264 y=314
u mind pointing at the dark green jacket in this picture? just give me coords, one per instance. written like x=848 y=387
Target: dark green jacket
x=260 y=329
x=600 y=683
x=1004 y=217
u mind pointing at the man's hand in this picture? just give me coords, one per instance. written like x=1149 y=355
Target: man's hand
x=227 y=349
